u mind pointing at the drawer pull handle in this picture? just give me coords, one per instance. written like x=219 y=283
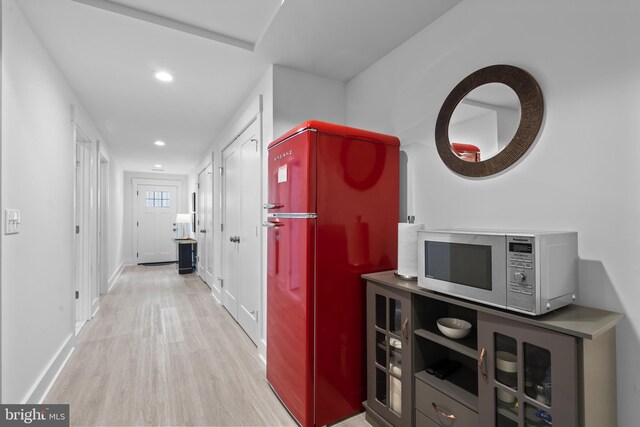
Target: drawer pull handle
x=405 y=329
x=481 y=365
x=442 y=413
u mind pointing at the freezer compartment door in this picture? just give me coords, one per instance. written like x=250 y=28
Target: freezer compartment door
x=292 y=175
x=290 y=313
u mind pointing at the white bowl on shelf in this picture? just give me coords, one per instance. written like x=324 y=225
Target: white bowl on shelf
x=454 y=328
x=506 y=362
x=505 y=396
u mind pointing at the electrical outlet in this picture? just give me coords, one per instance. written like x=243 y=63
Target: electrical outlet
x=12 y=221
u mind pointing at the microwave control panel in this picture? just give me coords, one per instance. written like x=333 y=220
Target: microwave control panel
x=521 y=273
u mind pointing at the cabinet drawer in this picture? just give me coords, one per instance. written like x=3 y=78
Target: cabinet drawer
x=423 y=421
x=426 y=396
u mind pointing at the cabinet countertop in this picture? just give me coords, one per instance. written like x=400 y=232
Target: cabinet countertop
x=576 y=320
x=185 y=241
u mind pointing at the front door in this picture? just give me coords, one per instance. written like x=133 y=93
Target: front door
x=157 y=209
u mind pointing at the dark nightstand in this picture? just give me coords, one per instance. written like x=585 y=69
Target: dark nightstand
x=186 y=255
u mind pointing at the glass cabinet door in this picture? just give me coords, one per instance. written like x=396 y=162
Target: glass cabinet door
x=388 y=345
x=527 y=375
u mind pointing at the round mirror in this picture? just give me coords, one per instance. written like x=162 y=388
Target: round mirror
x=489 y=120
x=484 y=122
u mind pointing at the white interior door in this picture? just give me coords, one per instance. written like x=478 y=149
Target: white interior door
x=249 y=245
x=156 y=214
x=103 y=226
x=242 y=231
x=201 y=232
x=232 y=188
x=202 y=229
x=208 y=224
x=82 y=241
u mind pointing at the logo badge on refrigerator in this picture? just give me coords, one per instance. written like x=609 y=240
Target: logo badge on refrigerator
x=283 y=155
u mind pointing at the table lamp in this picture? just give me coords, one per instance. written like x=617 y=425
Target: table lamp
x=184 y=219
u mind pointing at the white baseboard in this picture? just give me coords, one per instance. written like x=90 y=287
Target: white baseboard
x=213 y=294
x=42 y=386
x=96 y=308
x=262 y=351
x=78 y=326
x=115 y=275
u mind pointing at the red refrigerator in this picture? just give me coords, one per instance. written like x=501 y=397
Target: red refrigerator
x=332 y=216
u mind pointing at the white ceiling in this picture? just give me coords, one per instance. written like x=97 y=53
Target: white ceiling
x=217 y=51
x=241 y=19
x=484 y=99
x=495 y=94
x=341 y=38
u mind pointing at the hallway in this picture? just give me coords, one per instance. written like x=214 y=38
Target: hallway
x=161 y=351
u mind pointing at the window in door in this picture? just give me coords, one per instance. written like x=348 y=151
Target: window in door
x=157 y=199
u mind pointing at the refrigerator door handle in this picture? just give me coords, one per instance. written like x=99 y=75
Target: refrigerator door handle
x=271 y=206
x=294 y=215
x=270 y=224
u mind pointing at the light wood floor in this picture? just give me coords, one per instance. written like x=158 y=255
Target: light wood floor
x=162 y=351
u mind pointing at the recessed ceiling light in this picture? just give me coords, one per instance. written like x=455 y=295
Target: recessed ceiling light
x=164 y=76
x=160 y=143
x=157 y=166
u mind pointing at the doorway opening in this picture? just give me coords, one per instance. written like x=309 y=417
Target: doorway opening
x=84 y=244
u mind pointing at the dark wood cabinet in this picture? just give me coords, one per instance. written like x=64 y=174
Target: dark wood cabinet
x=389 y=353
x=527 y=375
x=513 y=370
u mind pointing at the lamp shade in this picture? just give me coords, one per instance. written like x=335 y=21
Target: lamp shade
x=183 y=219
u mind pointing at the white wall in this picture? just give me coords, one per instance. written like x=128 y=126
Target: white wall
x=38 y=308
x=582 y=173
x=128 y=231
x=300 y=96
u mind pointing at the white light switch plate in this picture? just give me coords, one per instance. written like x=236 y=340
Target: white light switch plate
x=12 y=221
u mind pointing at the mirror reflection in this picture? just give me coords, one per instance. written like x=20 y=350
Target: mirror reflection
x=484 y=122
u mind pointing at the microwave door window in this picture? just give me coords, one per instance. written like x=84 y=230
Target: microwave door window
x=460 y=263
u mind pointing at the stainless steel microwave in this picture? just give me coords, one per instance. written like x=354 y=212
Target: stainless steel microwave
x=528 y=272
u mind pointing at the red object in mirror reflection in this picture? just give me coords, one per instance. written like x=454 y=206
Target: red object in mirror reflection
x=467 y=152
